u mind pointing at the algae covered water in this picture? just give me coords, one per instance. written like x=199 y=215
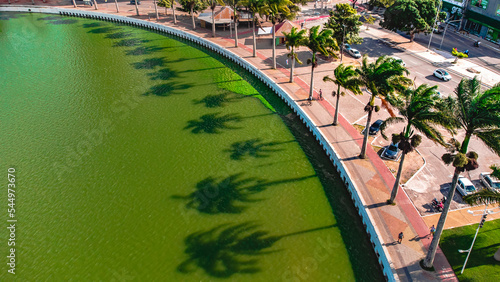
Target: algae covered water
x=139 y=157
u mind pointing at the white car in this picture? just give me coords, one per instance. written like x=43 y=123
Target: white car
x=398 y=59
x=489 y=181
x=442 y=74
x=355 y=53
x=465 y=186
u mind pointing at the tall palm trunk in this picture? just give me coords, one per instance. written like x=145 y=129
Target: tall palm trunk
x=74 y=3
x=336 y=117
x=431 y=253
x=192 y=16
x=95 y=5
x=362 y=155
x=116 y=4
x=173 y=13
x=254 y=40
x=213 y=22
x=136 y=7
x=274 y=46
x=311 y=88
x=395 y=189
x=156 y=10
x=293 y=65
x=235 y=29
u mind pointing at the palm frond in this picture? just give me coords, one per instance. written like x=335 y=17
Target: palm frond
x=484 y=196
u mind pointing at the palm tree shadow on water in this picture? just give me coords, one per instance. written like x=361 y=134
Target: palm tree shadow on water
x=253 y=148
x=229 y=195
x=213 y=123
x=227 y=250
x=218 y=100
x=166 y=89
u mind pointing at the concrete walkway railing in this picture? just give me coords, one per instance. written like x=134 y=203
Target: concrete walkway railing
x=382 y=254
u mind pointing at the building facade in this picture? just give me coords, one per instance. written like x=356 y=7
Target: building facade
x=482 y=17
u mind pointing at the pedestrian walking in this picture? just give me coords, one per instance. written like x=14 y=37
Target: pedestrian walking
x=320 y=94
x=400 y=237
x=433 y=230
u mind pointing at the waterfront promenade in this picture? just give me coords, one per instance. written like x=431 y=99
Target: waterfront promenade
x=371 y=177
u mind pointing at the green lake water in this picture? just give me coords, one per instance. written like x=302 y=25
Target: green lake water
x=140 y=157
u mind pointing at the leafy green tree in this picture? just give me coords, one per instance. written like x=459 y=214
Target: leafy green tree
x=193 y=6
x=168 y=4
x=254 y=6
x=277 y=11
x=346 y=77
x=321 y=42
x=345 y=23
x=478 y=114
x=382 y=77
x=293 y=40
x=419 y=108
x=411 y=16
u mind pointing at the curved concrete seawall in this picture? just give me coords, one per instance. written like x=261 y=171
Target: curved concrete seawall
x=368 y=222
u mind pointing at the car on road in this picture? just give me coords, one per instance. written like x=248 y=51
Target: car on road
x=398 y=59
x=355 y=53
x=490 y=181
x=132 y=2
x=465 y=186
x=442 y=74
x=375 y=127
x=391 y=152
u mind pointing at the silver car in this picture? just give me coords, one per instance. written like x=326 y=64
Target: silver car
x=465 y=186
x=489 y=181
x=355 y=53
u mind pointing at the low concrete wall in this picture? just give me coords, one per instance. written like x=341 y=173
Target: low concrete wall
x=371 y=229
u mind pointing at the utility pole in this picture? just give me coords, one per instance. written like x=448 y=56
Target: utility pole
x=483 y=215
x=444 y=33
x=434 y=25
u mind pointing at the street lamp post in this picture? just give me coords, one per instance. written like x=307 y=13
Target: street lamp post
x=444 y=33
x=483 y=215
x=342 y=47
x=434 y=25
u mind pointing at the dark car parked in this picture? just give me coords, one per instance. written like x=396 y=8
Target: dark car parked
x=375 y=127
x=391 y=152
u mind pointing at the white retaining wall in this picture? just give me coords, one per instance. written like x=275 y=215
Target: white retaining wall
x=366 y=217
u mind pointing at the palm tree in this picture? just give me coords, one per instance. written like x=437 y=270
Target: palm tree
x=136 y=7
x=254 y=6
x=234 y=4
x=381 y=77
x=168 y=4
x=156 y=10
x=116 y=5
x=95 y=4
x=346 y=77
x=277 y=11
x=319 y=42
x=478 y=114
x=418 y=108
x=213 y=4
x=293 y=40
x=74 y=3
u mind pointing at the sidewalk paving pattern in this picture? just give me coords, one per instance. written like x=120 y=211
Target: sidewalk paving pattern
x=372 y=178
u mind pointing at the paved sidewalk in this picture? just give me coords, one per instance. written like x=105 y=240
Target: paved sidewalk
x=371 y=177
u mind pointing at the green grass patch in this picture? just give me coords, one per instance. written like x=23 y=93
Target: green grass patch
x=481 y=265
